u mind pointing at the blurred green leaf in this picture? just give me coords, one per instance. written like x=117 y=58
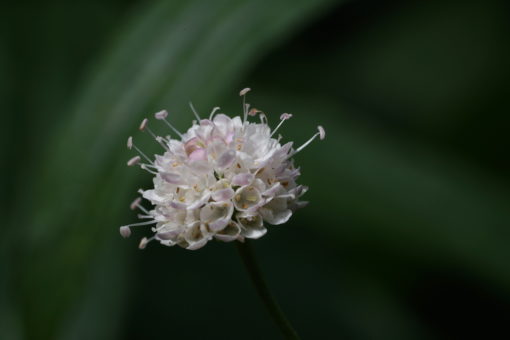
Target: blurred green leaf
x=407 y=198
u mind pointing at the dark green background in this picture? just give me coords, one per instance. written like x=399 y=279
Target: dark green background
x=407 y=235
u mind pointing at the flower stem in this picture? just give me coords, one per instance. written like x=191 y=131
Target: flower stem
x=248 y=257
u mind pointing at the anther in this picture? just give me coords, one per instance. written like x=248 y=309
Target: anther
x=283 y=118
x=253 y=112
x=135 y=203
x=130 y=142
x=321 y=133
x=143 y=124
x=144 y=241
x=244 y=91
x=161 y=114
x=133 y=161
x=125 y=231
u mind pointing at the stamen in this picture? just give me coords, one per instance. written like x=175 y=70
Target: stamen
x=139 y=224
x=125 y=230
x=321 y=133
x=143 y=124
x=133 y=161
x=144 y=167
x=245 y=106
x=161 y=142
x=283 y=118
x=263 y=118
x=246 y=109
x=213 y=112
x=149 y=166
x=253 y=112
x=161 y=115
x=151 y=133
x=194 y=111
x=244 y=91
x=136 y=204
x=144 y=241
x=130 y=145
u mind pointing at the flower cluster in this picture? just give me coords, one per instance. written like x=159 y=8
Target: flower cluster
x=221 y=179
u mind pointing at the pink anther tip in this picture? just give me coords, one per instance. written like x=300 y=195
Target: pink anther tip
x=143 y=243
x=244 y=91
x=135 y=203
x=322 y=132
x=253 y=112
x=143 y=124
x=161 y=114
x=125 y=231
x=286 y=116
x=133 y=161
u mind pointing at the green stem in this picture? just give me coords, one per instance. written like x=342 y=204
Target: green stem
x=246 y=253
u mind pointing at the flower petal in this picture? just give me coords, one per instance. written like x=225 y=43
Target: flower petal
x=226 y=159
x=223 y=195
x=216 y=214
x=275 y=217
x=198 y=155
x=230 y=233
x=242 y=179
x=252 y=225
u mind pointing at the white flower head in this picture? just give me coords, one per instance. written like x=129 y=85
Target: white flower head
x=225 y=178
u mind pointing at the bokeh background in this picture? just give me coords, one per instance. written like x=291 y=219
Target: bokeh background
x=407 y=235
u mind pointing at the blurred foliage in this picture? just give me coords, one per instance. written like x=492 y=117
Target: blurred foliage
x=406 y=236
